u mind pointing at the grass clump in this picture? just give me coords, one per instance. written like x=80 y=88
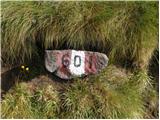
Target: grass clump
x=151 y=99
x=107 y=95
x=17 y=103
x=122 y=30
x=45 y=103
x=26 y=100
x=77 y=101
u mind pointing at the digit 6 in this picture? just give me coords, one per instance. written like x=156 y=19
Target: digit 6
x=65 y=60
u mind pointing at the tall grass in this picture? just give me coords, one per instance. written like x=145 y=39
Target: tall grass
x=126 y=31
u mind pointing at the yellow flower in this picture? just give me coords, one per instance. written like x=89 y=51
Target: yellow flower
x=27 y=68
x=22 y=66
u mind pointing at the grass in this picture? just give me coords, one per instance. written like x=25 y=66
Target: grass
x=126 y=31
x=97 y=96
x=19 y=101
x=27 y=100
x=45 y=103
x=77 y=101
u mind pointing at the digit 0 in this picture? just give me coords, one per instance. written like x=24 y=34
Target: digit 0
x=77 y=58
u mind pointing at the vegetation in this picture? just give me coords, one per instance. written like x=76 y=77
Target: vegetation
x=127 y=32
x=27 y=100
x=94 y=97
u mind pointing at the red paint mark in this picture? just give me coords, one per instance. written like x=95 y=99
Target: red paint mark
x=90 y=63
x=63 y=70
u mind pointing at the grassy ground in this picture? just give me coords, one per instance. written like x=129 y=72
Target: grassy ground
x=127 y=32
x=111 y=94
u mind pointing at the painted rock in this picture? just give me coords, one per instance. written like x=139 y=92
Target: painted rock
x=68 y=64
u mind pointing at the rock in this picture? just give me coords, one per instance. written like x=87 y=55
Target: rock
x=68 y=64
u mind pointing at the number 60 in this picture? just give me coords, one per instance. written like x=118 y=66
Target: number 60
x=66 y=60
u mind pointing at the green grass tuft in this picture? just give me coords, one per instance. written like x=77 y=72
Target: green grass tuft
x=31 y=101
x=17 y=103
x=77 y=101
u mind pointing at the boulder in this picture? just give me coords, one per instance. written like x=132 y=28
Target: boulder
x=68 y=64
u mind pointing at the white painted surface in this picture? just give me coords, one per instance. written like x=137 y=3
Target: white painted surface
x=80 y=69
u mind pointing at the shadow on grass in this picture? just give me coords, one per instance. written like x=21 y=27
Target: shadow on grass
x=17 y=75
